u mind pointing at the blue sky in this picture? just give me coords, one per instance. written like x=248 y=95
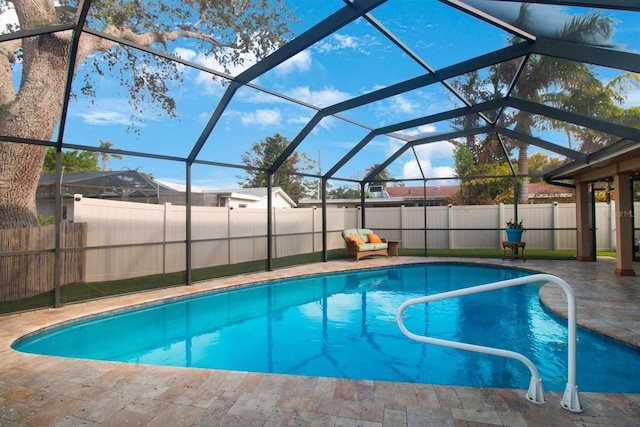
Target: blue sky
x=351 y=62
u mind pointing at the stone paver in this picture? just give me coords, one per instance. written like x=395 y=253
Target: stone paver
x=48 y=391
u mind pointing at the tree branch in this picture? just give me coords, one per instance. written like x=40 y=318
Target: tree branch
x=147 y=39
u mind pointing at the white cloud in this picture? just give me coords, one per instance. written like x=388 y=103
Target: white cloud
x=338 y=42
x=298 y=119
x=428 y=154
x=264 y=117
x=400 y=104
x=97 y=117
x=411 y=170
x=112 y=112
x=186 y=54
x=435 y=150
x=320 y=98
x=300 y=62
x=420 y=130
x=342 y=42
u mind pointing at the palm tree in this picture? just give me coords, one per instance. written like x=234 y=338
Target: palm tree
x=381 y=178
x=106 y=157
x=601 y=101
x=543 y=74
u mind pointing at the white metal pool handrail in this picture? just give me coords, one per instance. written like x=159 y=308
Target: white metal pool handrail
x=570 y=400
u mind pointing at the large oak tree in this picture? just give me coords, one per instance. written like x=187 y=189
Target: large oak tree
x=227 y=30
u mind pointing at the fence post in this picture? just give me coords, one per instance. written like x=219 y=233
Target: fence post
x=229 y=209
x=76 y=215
x=403 y=212
x=554 y=223
x=449 y=222
x=501 y=221
x=274 y=235
x=313 y=229
x=165 y=225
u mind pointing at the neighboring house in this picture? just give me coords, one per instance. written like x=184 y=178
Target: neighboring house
x=236 y=198
x=244 y=198
x=439 y=195
x=541 y=192
x=442 y=194
x=133 y=186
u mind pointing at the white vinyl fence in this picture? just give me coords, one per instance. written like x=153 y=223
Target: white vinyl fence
x=126 y=239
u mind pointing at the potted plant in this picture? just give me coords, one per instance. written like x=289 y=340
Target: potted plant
x=514 y=230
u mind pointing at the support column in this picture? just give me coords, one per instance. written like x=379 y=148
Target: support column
x=582 y=222
x=624 y=225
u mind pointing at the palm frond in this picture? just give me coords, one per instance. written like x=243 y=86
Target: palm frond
x=592 y=28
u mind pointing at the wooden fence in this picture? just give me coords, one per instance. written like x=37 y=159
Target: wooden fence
x=27 y=259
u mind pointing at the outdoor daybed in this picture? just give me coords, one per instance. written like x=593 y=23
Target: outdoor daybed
x=363 y=242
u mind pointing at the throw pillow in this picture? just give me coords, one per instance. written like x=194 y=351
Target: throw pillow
x=357 y=239
x=373 y=238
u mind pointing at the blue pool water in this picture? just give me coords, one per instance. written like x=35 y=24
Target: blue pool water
x=344 y=325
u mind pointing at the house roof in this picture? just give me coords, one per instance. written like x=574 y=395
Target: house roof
x=400 y=194
x=433 y=192
x=103 y=184
x=257 y=193
x=536 y=189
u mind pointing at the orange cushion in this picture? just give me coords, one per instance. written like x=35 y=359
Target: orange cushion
x=373 y=238
x=357 y=239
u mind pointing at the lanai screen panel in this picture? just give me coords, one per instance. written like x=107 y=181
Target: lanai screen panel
x=407 y=109
x=375 y=152
x=330 y=140
x=250 y=118
x=422 y=25
x=605 y=27
x=102 y=109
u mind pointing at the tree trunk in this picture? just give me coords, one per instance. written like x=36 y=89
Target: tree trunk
x=524 y=122
x=523 y=169
x=20 y=164
x=35 y=111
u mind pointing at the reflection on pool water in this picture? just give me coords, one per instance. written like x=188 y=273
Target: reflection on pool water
x=344 y=325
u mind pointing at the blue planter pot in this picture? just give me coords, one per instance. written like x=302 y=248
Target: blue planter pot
x=514 y=234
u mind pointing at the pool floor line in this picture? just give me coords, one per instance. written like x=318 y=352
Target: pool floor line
x=41 y=390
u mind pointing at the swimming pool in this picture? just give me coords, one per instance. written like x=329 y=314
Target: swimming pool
x=343 y=325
